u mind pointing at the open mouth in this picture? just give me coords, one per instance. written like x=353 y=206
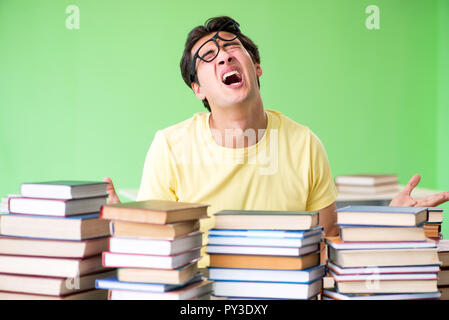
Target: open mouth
x=232 y=78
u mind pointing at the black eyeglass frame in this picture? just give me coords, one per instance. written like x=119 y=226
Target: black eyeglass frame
x=226 y=28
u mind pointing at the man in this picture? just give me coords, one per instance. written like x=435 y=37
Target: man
x=240 y=155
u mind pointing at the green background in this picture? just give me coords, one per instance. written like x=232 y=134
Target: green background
x=85 y=104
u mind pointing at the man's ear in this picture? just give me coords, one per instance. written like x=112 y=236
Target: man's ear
x=197 y=90
x=258 y=70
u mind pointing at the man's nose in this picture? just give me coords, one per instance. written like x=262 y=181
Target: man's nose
x=223 y=57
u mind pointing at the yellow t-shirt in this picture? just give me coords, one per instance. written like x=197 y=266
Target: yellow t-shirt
x=287 y=169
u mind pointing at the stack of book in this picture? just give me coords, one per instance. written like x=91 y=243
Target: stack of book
x=368 y=184
x=443 y=275
x=383 y=254
x=432 y=227
x=51 y=242
x=156 y=246
x=265 y=254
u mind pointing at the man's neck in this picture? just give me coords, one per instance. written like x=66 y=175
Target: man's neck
x=238 y=126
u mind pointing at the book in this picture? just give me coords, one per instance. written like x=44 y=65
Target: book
x=381 y=270
x=52 y=248
x=52 y=286
x=336 y=243
x=55 y=207
x=267 y=242
x=269 y=251
x=154 y=211
x=50 y=267
x=382 y=216
x=264 y=262
x=68 y=189
x=375 y=276
x=383 y=257
x=443 y=252
x=80 y=227
x=444 y=293
x=300 y=234
x=111 y=283
x=366 y=179
x=387 y=286
x=273 y=290
x=379 y=189
x=175 y=276
x=124 y=260
x=155 y=247
x=169 y=231
x=297 y=276
x=435 y=214
x=86 y=295
x=191 y=291
x=443 y=277
x=372 y=233
x=333 y=295
x=267 y=220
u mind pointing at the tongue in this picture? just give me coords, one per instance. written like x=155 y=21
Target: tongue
x=232 y=79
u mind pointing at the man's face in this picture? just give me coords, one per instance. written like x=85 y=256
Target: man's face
x=229 y=79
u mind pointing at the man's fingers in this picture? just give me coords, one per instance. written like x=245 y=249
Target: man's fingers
x=412 y=184
x=113 y=198
x=433 y=200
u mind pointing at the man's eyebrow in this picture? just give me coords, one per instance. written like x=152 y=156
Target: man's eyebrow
x=227 y=44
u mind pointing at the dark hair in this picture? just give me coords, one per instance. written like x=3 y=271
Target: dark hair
x=212 y=25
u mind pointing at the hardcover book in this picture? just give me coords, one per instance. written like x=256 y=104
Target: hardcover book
x=67 y=189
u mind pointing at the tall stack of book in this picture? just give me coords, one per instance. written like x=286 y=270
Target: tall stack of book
x=432 y=227
x=443 y=275
x=156 y=246
x=51 y=242
x=369 y=184
x=266 y=254
x=383 y=254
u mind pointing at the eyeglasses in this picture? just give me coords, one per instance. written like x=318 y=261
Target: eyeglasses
x=209 y=50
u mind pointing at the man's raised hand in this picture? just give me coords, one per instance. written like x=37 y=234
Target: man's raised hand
x=113 y=198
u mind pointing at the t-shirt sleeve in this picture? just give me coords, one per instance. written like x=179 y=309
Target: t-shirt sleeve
x=158 y=181
x=322 y=192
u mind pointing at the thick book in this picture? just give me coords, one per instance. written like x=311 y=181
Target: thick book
x=382 y=216
x=375 y=276
x=264 y=262
x=191 y=291
x=52 y=286
x=435 y=215
x=366 y=179
x=175 y=276
x=55 y=207
x=371 y=190
x=52 y=248
x=443 y=252
x=85 y=295
x=383 y=257
x=154 y=211
x=382 y=270
x=336 y=243
x=269 y=251
x=333 y=295
x=80 y=227
x=266 y=242
x=169 y=231
x=297 y=276
x=124 y=260
x=112 y=283
x=298 y=234
x=67 y=189
x=268 y=290
x=50 y=267
x=372 y=234
x=268 y=220
x=387 y=286
x=155 y=247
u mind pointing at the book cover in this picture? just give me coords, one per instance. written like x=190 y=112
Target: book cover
x=64 y=189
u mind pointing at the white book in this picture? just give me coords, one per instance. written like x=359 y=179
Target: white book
x=332 y=295
x=193 y=291
x=155 y=247
x=300 y=234
x=268 y=242
x=383 y=276
x=271 y=251
x=123 y=260
x=380 y=245
x=298 y=276
x=370 y=270
x=274 y=290
x=63 y=189
x=366 y=179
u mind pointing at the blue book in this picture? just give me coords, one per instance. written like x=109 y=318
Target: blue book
x=382 y=216
x=79 y=227
x=298 y=234
x=111 y=283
